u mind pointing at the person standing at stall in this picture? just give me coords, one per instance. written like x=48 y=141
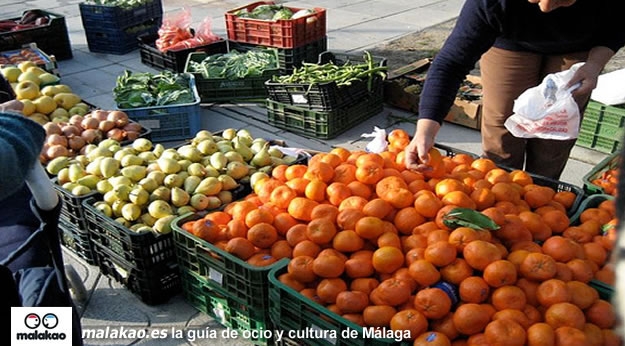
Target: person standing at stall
x=519 y=43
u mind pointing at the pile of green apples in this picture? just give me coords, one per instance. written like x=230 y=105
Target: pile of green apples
x=44 y=98
x=144 y=186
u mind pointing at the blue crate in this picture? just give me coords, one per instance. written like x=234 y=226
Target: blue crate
x=110 y=16
x=117 y=40
x=173 y=122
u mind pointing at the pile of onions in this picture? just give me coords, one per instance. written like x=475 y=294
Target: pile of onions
x=68 y=138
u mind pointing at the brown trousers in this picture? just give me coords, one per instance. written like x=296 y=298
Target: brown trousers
x=505 y=76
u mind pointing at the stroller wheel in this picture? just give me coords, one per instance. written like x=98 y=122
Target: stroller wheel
x=76 y=286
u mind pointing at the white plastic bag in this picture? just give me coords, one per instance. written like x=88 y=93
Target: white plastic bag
x=548 y=110
x=610 y=88
x=378 y=144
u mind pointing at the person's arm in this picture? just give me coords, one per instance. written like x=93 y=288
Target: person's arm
x=474 y=33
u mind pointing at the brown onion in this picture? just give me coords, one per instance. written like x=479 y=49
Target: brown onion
x=55 y=139
x=116 y=134
x=56 y=151
x=90 y=123
x=71 y=130
x=132 y=135
x=76 y=143
x=133 y=126
x=106 y=125
x=52 y=129
x=92 y=135
x=118 y=117
x=99 y=114
x=76 y=120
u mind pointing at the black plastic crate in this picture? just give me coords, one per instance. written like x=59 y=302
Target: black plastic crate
x=227 y=90
x=112 y=16
x=173 y=60
x=72 y=211
x=77 y=241
x=119 y=40
x=293 y=57
x=329 y=96
x=153 y=285
x=322 y=124
x=143 y=250
x=52 y=38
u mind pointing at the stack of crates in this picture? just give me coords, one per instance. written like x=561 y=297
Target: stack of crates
x=296 y=40
x=325 y=110
x=602 y=127
x=114 y=29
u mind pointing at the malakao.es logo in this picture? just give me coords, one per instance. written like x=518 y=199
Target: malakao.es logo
x=41 y=325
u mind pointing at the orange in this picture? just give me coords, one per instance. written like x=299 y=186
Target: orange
x=508 y=332
x=474 y=290
x=409 y=320
x=378 y=315
x=352 y=301
x=262 y=235
x=387 y=259
x=301 y=208
x=328 y=288
x=240 y=247
x=328 y=266
x=321 y=231
x=434 y=303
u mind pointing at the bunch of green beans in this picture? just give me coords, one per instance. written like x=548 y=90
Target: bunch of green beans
x=340 y=74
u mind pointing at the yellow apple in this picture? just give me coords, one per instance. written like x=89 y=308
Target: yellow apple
x=29 y=107
x=26 y=90
x=66 y=100
x=29 y=75
x=24 y=65
x=11 y=73
x=44 y=104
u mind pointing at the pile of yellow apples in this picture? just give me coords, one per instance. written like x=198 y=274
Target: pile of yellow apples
x=44 y=98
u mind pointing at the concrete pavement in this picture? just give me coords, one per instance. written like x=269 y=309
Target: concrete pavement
x=352 y=25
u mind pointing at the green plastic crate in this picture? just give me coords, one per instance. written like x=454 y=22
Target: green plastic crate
x=602 y=128
x=228 y=90
x=591 y=201
x=610 y=162
x=291 y=311
x=223 y=307
x=223 y=272
x=605 y=291
x=322 y=124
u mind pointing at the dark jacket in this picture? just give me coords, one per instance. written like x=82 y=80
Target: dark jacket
x=519 y=26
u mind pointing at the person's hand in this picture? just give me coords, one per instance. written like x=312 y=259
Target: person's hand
x=587 y=75
x=12 y=105
x=417 y=157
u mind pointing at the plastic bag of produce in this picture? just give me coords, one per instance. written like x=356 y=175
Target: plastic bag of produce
x=176 y=27
x=548 y=110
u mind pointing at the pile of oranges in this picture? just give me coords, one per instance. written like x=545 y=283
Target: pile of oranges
x=607 y=180
x=366 y=239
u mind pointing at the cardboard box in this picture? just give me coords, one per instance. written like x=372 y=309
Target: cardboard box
x=402 y=89
x=466 y=112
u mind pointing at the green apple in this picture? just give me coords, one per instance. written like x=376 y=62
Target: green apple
x=77 y=110
x=11 y=73
x=26 y=89
x=59 y=113
x=48 y=78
